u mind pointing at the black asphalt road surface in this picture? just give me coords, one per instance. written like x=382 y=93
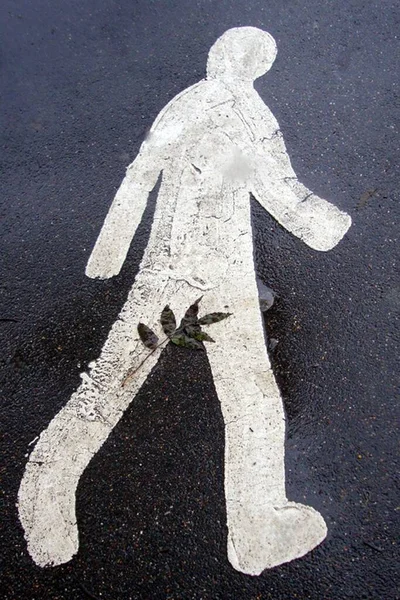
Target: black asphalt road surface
x=81 y=82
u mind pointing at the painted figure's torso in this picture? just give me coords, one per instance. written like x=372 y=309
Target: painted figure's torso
x=203 y=208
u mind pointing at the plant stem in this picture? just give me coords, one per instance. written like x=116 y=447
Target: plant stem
x=131 y=372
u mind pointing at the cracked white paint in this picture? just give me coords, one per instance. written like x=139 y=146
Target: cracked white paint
x=214 y=143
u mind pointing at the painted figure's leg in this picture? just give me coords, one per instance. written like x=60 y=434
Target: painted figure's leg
x=47 y=492
x=264 y=528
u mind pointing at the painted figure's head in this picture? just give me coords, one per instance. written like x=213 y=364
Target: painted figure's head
x=241 y=54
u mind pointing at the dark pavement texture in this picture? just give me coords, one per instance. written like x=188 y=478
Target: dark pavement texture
x=81 y=83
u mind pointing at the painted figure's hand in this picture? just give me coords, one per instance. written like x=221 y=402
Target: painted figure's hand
x=122 y=220
x=320 y=224
x=96 y=269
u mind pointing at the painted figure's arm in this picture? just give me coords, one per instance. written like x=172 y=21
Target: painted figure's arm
x=320 y=224
x=124 y=215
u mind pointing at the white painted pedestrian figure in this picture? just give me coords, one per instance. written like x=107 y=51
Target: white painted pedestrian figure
x=215 y=143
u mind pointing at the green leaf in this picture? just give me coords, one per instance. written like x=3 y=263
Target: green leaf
x=202 y=336
x=213 y=318
x=195 y=332
x=183 y=340
x=190 y=330
x=191 y=314
x=168 y=321
x=147 y=335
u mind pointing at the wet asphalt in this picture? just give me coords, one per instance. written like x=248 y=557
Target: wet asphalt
x=80 y=84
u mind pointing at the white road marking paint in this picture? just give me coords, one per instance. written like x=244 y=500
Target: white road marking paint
x=214 y=143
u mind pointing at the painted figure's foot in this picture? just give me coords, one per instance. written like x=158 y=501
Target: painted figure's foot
x=261 y=538
x=47 y=514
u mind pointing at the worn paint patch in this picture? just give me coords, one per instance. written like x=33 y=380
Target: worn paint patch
x=215 y=143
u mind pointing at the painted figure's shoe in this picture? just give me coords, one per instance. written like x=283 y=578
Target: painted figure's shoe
x=264 y=537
